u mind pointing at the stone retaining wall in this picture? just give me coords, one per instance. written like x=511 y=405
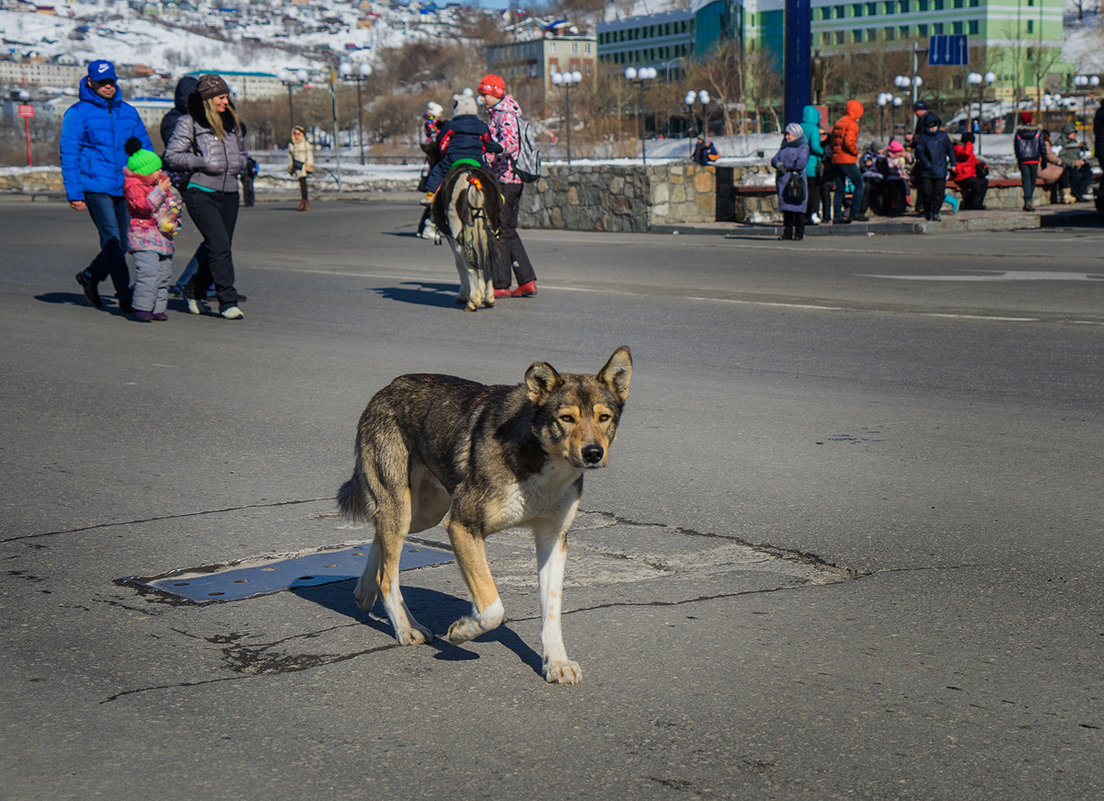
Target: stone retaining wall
x=614 y=197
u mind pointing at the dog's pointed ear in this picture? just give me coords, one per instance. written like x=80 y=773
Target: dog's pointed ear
x=542 y=379
x=618 y=373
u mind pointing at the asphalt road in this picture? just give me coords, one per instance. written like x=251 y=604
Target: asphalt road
x=849 y=543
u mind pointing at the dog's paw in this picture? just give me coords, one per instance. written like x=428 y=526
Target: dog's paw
x=417 y=635
x=463 y=630
x=471 y=307
x=565 y=672
x=366 y=596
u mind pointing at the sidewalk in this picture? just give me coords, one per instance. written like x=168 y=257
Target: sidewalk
x=1077 y=215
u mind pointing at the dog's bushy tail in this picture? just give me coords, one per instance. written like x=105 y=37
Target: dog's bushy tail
x=352 y=499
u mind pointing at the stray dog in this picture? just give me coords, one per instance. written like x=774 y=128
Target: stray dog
x=491 y=457
x=466 y=210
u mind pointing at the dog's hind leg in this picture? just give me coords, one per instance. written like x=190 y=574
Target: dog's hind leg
x=487 y=612
x=392 y=518
x=551 y=542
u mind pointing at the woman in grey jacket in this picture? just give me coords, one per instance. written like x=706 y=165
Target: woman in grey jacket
x=208 y=144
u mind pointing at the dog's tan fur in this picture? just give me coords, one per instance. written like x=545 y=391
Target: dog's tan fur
x=485 y=458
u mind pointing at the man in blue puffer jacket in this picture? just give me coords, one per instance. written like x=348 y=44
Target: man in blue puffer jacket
x=93 y=134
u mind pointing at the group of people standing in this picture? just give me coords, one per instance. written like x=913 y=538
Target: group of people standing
x=110 y=169
x=821 y=171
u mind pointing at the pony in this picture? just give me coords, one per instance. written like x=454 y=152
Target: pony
x=466 y=211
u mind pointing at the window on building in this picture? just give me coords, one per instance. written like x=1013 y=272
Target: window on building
x=922 y=30
x=937 y=28
x=1031 y=26
x=938 y=5
x=972 y=27
x=890 y=34
x=858 y=35
x=857 y=10
x=923 y=5
x=871 y=9
x=904 y=29
x=956 y=27
x=902 y=6
x=840 y=13
x=839 y=37
x=871 y=34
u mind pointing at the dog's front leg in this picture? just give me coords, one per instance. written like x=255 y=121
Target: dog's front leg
x=471 y=555
x=551 y=557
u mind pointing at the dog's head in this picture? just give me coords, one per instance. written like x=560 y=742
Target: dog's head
x=576 y=415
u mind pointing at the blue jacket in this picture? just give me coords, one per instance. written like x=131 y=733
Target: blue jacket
x=466 y=137
x=93 y=133
x=810 y=125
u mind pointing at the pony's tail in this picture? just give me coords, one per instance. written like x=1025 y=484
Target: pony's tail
x=479 y=240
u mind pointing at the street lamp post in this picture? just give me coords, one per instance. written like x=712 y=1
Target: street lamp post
x=980 y=81
x=362 y=70
x=692 y=97
x=907 y=81
x=640 y=77
x=884 y=99
x=1082 y=82
x=291 y=79
x=893 y=116
x=567 y=80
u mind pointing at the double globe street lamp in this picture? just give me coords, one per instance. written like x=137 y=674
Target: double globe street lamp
x=291 y=79
x=700 y=96
x=359 y=72
x=907 y=81
x=1082 y=82
x=980 y=81
x=640 y=77
x=567 y=80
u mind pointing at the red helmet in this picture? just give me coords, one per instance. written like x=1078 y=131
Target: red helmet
x=492 y=85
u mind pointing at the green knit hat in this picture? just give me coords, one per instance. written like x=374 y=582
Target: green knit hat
x=141 y=161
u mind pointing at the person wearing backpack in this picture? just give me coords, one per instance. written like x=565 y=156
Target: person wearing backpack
x=505 y=124
x=1027 y=143
x=791 y=182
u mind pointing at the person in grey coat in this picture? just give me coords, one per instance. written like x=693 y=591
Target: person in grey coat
x=791 y=182
x=208 y=144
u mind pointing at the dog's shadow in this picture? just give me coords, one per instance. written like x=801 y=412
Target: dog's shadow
x=420 y=293
x=434 y=610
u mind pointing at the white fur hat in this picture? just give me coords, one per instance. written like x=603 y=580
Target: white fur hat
x=464 y=105
x=434 y=108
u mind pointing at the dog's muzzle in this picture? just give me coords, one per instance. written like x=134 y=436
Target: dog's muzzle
x=593 y=455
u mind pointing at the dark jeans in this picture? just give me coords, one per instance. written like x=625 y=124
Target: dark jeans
x=973 y=192
x=214 y=215
x=511 y=253
x=1080 y=179
x=109 y=213
x=929 y=195
x=843 y=172
x=1029 y=173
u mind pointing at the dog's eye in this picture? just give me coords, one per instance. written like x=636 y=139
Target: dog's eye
x=567 y=418
x=604 y=418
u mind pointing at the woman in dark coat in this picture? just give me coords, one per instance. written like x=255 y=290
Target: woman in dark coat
x=789 y=163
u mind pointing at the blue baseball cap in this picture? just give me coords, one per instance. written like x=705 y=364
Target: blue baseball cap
x=102 y=71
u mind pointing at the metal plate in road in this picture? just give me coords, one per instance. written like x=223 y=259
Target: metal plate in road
x=264 y=576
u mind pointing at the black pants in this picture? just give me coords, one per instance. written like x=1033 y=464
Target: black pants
x=215 y=214
x=973 y=192
x=247 y=193
x=511 y=253
x=929 y=196
x=793 y=225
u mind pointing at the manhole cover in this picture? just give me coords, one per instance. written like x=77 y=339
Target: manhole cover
x=264 y=576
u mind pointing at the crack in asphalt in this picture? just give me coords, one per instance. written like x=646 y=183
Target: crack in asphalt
x=159 y=518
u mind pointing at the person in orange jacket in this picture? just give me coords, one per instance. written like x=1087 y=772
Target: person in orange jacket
x=845 y=156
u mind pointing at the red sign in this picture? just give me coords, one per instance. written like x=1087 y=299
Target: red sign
x=26 y=110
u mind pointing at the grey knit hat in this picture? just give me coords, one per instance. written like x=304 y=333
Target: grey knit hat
x=464 y=105
x=794 y=129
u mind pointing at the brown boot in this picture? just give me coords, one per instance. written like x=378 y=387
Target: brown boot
x=302 y=206
x=306 y=205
